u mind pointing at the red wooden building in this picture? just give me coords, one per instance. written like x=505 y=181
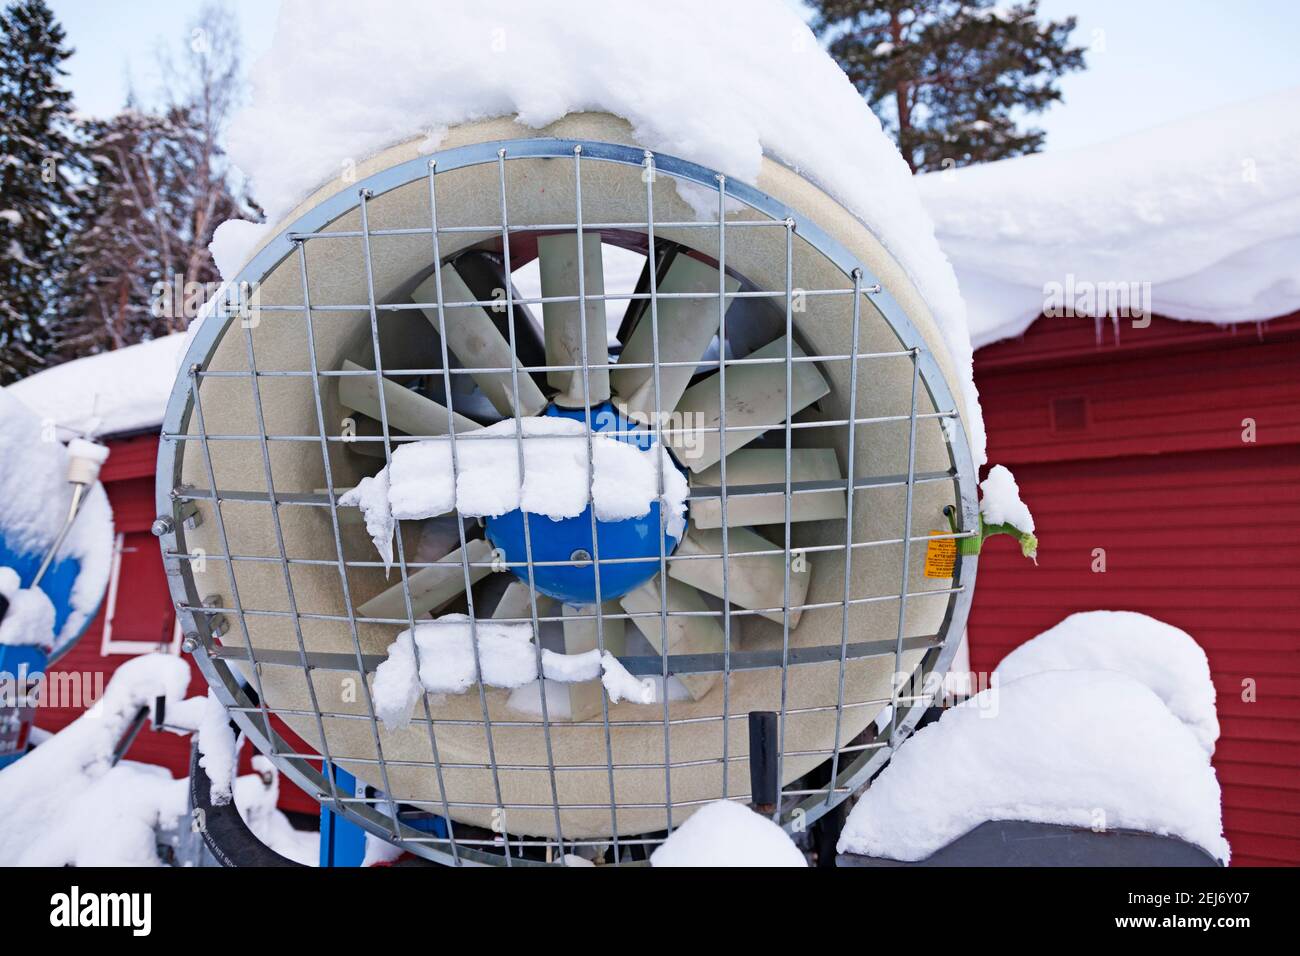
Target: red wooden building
x=1171 y=453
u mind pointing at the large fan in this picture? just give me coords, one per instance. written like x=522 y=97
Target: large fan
x=808 y=407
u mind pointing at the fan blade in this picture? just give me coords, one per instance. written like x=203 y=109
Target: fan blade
x=485 y=276
x=473 y=338
x=408 y=411
x=756 y=488
x=431 y=588
x=580 y=637
x=515 y=604
x=755 y=396
x=564 y=324
x=752 y=582
x=686 y=327
x=686 y=635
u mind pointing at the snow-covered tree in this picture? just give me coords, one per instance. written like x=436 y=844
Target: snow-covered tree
x=951 y=78
x=161 y=186
x=41 y=179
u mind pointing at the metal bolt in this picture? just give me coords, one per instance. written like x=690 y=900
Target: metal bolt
x=162 y=525
x=190 y=643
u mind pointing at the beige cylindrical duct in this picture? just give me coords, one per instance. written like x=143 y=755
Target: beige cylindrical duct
x=653 y=750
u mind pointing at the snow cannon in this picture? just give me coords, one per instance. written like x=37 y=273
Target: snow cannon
x=56 y=539
x=520 y=480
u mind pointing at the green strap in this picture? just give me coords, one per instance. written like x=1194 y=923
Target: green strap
x=972 y=545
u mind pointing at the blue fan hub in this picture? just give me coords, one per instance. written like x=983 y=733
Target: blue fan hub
x=571 y=540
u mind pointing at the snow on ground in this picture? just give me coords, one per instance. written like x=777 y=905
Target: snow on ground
x=1085 y=748
x=1164 y=658
x=725 y=833
x=420 y=482
x=1206 y=210
x=35 y=499
x=124 y=390
x=718 y=84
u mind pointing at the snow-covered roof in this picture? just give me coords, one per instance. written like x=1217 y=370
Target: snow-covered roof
x=1206 y=210
x=109 y=393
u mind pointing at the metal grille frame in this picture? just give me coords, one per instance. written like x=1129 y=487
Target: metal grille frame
x=851 y=766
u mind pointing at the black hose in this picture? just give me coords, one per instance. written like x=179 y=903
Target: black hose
x=223 y=829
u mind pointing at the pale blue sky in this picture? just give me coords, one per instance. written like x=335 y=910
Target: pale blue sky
x=1150 y=61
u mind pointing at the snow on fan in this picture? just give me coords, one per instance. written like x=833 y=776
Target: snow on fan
x=712 y=501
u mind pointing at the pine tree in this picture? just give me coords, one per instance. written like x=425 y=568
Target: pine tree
x=41 y=176
x=948 y=78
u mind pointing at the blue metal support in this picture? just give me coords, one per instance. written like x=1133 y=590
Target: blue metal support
x=21 y=667
x=342 y=843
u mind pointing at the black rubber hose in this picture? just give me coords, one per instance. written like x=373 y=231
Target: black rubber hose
x=224 y=830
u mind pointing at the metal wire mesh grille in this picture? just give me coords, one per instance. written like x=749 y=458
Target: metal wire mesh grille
x=224 y=632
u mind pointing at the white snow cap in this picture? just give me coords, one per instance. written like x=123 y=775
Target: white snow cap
x=1161 y=656
x=718 y=83
x=1205 y=209
x=109 y=393
x=30 y=617
x=218 y=749
x=1000 y=500
x=507 y=658
x=1076 y=748
x=726 y=833
x=419 y=483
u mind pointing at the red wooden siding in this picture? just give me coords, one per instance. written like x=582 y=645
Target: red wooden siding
x=1136 y=447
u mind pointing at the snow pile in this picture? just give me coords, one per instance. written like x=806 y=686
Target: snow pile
x=1093 y=749
x=724 y=833
x=421 y=483
x=64 y=803
x=1164 y=658
x=621 y=685
x=218 y=749
x=507 y=658
x=30 y=616
x=718 y=84
x=125 y=390
x=396 y=686
x=35 y=498
x=233 y=242
x=1000 y=501
x=1206 y=210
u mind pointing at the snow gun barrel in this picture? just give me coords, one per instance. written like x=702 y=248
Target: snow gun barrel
x=85 y=458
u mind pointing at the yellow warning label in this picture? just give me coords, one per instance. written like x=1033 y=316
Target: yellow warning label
x=940 y=556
